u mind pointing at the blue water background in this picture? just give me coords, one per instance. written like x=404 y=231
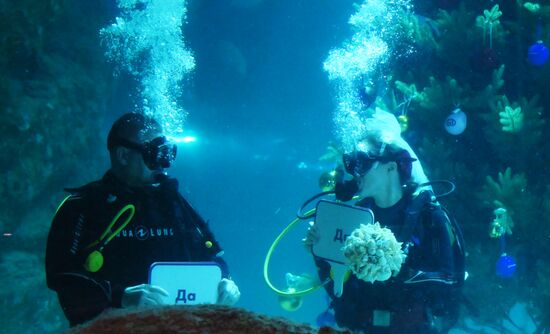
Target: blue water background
x=260 y=133
x=254 y=131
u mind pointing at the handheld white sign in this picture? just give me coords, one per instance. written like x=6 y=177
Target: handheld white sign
x=334 y=222
x=187 y=283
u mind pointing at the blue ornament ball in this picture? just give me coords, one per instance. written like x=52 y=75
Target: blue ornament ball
x=506 y=266
x=538 y=54
x=456 y=122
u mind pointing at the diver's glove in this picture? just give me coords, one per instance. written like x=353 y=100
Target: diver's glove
x=312 y=237
x=143 y=295
x=228 y=292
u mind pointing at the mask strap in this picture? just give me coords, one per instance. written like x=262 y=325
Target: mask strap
x=129 y=144
x=382 y=149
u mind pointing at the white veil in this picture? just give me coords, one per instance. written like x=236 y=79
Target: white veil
x=384 y=125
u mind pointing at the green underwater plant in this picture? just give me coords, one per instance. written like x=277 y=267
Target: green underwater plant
x=510 y=115
x=489 y=17
x=515 y=117
x=532 y=120
x=409 y=91
x=512 y=127
x=400 y=108
x=538 y=9
x=509 y=191
x=505 y=190
x=441 y=94
x=532 y=7
x=511 y=119
x=497 y=81
x=418 y=29
x=490 y=94
x=489 y=20
x=453 y=26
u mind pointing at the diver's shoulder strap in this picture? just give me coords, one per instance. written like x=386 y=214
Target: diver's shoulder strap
x=459 y=252
x=426 y=203
x=83 y=202
x=86 y=189
x=366 y=202
x=87 y=196
x=191 y=221
x=434 y=276
x=78 y=196
x=425 y=200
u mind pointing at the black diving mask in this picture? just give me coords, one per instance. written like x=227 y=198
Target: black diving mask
x=358 y=163
x=157 y=153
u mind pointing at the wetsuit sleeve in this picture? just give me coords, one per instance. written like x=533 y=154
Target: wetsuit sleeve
x=81 y=297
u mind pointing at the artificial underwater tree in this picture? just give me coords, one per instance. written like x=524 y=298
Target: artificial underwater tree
x=488 y=63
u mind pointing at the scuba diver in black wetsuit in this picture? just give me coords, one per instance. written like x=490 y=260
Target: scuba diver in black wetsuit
x=106 y=234
x=423 y=297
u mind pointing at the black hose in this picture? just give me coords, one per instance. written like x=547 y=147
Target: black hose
x=299 y=213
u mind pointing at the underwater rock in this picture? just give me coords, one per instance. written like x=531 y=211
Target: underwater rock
x=24 y=285
x=194 y=319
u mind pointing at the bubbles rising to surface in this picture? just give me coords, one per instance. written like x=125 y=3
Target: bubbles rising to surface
x=146 y=40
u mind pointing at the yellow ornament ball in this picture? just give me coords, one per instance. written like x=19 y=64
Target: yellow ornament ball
x=497 y=230
x=327 y=181
x=403 y=122
x=289 y=303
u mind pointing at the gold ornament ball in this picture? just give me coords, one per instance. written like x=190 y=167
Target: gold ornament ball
x=403 y=122
x=327 y=181
x=290 y=304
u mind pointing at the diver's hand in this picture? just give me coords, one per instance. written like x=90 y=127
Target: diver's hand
x=228 y=292
x=312 y=236
x=143 y=295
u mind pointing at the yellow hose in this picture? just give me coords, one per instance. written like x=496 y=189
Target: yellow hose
x=268 y=259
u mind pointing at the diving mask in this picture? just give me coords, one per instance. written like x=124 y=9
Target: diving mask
x=358 y=163
x=158 y=153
